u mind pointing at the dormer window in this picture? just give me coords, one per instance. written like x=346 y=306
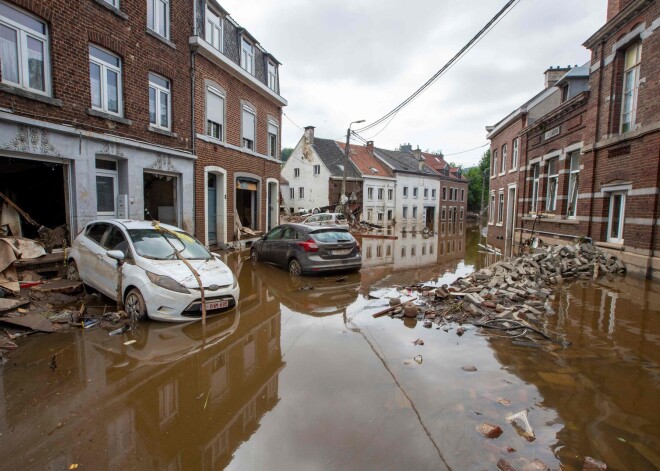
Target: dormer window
x=272 y=76
x=247 y=56
x=373 y=170
x=214 y=29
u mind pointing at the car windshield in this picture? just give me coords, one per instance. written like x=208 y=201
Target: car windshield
x=332 y=236
x=150 y=243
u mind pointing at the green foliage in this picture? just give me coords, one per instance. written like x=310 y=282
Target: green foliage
x=286 y=153
x=476 y=176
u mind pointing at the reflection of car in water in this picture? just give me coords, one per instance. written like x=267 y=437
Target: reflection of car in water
x=318 y=296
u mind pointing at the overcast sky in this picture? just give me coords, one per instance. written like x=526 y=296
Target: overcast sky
x=344 y=60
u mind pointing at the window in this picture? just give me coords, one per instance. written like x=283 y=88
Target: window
x=388 y=250
x=500 y=208
x=414 y=212
x=444 y=193
x=405 y=212
x=114 y=3
x=159 y=101
x=491 y=212
x=248 y=126
x=553 y=179
x=105 y=78
x=413 y=250
x=536 y=174
x=431 y=249
x=370 y=214
x=433 y=193
x=272 y=76
x=106 y=187
x=214 y=29
x=461 y=214
x=443 y=214
x=380 y=216
x=301 y=193
x=317 y=170
x=514 y=156
x=616 y=217
x=272 y=138
x=296 y=172
x=426 y=192
x=414 y=192
x=503 y=162
x=424 y=249
x=215 y=113
x=292 y=193
x=405 y=191
x=158 y=17
x=381 y=193
x=630 y=86
x=379 y=251
x=493 y=169
x=463 y=194
x=389 y=215
x=247 y=56
x=24 y=50
x=573 y=184
x=370 y=193
x=390 y=195
x=403 y=251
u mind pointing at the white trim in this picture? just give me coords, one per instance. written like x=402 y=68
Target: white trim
x=168 y=92
x=103 y=77
x=244 y=150
x=552 y=155
x=214 y=169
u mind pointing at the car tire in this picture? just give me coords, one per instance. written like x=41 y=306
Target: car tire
x=294 y=267
x=254 y=256
x=135 y=306
x=72 y=272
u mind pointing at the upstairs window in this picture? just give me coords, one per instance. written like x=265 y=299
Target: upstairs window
x=414 y=192
x=105 y=80
x=444 y=193
x=273 y=147
x=213 y=29
x=215 y=113
x=633 y=57
x=370 y=193
x=426 y=192
x=405 y=212
x=272 y=76
x=248 y=127
x=292 y=193
x=317 y=170
x=500 y=212
x=158 y=17
x=390 y=195
x=381 y=193
x=463 y=195
x=503 y=163
x=491 y=209
x=114 y=3
x=247 y=56
x=553 y=180
x=433 y=193
x=296 y=172
x=536 y=174
x=405 y=191
x=159 y=101
x=493 y=170
x=24 y=50
x=301 y=192
x=414 y=215
x=514 y=155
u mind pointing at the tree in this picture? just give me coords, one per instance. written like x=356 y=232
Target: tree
x=286 y=153
x=476 y=176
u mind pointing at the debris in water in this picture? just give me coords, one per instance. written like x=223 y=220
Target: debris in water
x=418 y=359
x=121 y=330
x=592 y=464
x=490 y=430
x=428 y=324
x=418 y=342
x=460 y=331
x=341 y=278
x=504 y=465
x=469 y=368
x=89 y=323
x=129 y=342
x=522 y=425
x=7 y=304
x=53 y=363
x=504 y=402
x=30 y=321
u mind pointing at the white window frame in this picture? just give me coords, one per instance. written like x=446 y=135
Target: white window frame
x=426 y=193
x=405 y=192
x=247 y=56
x=433 y=193
x=390 y=194
x=317 y=170
x=629 y=95
x=214 y=25
x=622 y=217
x=107 y=173
x=301 y=193
x=296 y=172
x=250 y=110
x=271 y=71
x=493 y=170
x=404 y=214
x=221 y=126
x=104 y=67
x=553 y=184
x=114 y=3
x=414 y=213
x=159 y=91
x=380 y=194
x=462 y=194
x=500 y=206
x=444 y=193
x=292 y=193
x=156 y=27
x=390 y=214
x=503 y=160
x=514 y=155
x=573 y=184
x=415 y=191
x=380 y=216
x=273 y=146
x=22 y=34
x=491 y=214
x=536 y=178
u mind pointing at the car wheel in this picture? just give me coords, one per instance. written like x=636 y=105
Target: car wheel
x=72 y=271
x=254 y=256
x=294 y=267
x=135 y=306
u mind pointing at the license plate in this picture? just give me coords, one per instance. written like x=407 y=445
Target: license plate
x=216 y=305
x=341 y=252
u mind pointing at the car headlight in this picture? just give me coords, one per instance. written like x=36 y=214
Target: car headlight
x=235 y=284
x=167 y=283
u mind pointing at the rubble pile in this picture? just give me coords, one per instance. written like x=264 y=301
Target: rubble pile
x=509 y=296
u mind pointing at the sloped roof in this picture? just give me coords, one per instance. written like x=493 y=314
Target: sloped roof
x=438 y=163
x=366 y=163
x=404 y=162
x=333 y=158
x=283 y=181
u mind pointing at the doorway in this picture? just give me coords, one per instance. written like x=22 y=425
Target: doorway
x=246 y=203
x=216 y=206
x=160 y=198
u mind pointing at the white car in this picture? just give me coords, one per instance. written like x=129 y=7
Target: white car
x=328 y=219
x=155 y=283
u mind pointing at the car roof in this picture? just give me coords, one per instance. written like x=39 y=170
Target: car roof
x=313 y=228
x=135 y=224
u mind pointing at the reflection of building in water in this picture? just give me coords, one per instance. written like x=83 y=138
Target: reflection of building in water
x=180 y=397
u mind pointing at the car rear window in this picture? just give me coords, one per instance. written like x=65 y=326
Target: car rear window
x=332 y=236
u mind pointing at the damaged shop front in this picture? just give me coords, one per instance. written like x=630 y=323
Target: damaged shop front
x=56 y=177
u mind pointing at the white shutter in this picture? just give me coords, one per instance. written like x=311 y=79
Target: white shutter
x=248 y=124
x=215 y=107
x=272 y=128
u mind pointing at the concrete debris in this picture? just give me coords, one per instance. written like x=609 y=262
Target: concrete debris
x=60 y=286
x=31 y=321
x=8 y=304
x=469 y=368
x=489 y=430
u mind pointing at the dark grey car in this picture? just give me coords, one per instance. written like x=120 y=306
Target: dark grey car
x=308 y=249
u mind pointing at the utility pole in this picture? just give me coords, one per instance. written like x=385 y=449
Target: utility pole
x=346 y=154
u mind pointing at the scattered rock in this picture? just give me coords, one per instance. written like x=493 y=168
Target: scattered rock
x=395 y=301
x=460 y=331
x=418 y=342
x=490 y=430
x=504 y=402
x=469 y=368
x=410 y=311
x=504 y=465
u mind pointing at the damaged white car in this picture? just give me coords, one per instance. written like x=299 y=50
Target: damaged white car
x=155 y=282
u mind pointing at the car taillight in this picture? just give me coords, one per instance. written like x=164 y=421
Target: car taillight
x=309 y=246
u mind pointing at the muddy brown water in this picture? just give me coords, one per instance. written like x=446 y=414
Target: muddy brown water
x=300 y=376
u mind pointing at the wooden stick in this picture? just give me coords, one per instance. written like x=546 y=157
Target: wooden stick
x=392 y=308
x=21 y=212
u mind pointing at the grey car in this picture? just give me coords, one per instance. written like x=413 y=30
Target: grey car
x=304 y=249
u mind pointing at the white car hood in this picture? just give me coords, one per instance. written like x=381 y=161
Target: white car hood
x=211 y=272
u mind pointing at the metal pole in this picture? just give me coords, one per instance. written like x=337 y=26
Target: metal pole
x=346 y=150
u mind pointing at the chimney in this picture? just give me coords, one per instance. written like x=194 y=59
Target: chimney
x=553 y=74
x=615 y=6
x=418 y=154
x=405 y=148
x=309 y=135
x=370 y=147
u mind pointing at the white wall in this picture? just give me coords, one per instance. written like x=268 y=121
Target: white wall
x=419 y=182
x=316 y=186
x=373 y=206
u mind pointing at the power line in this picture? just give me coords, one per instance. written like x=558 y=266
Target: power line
x=464 y=151
x=292 y=121
x=493 y=21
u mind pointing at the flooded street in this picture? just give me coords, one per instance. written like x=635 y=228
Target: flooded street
x=301 y=376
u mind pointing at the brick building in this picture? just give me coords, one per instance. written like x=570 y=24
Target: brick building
x=590 y=165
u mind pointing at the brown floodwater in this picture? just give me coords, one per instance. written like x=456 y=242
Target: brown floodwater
x=301 y=376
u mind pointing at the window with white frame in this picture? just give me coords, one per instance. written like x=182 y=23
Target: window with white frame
x=461 y=213
x=105 y=80
x=553 y=180
x=214 y=29
x=632 y=61
x=414 y=213
x=370 y=214
x=514 y=155
x=616 y=217
x=380 y=216
x=493 y=169
x=405 y=191
x=443 y=213
x=414 y=192
x=273 y=131
x=390 y=214
x=426 y=192
x=292 y=193
x=215 y=113
x=433 y=193
x=272 y=76
x=405 y=212
x=503 y=161
x=247 y=56
x=158 y=17
x=248 y=125
x=573 y=184
x=390 y=195
x=301 y=193
x=381 y=194
x=317 y=170
x=500 y=208
x=370 y=193
x=24 y=50
x=491 y=212
x=536 y=175
x=159 y=101
x=114 y=3
x=296 y=172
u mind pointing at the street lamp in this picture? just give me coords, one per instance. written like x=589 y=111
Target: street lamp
x=346 y=151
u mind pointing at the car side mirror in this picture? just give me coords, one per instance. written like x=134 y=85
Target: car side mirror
x=116 y=255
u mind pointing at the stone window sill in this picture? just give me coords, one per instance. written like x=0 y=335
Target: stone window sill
x=31 y=95
x=164 y=132
x=161 y=38
x=114 y=10
x=108 y=116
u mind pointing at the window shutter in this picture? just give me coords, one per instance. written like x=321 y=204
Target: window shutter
x=248 y=125
x=215 y=107
x=272 y=128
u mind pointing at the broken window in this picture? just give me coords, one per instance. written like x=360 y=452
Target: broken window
x=573 y=184
x=160 y=198
x=553 y=180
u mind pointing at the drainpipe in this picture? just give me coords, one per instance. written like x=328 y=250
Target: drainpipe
x=192 y=116
x=593 y=151
x=654 y=227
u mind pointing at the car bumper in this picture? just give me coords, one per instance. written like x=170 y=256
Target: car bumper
x=169 y=306
x=317 y=264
